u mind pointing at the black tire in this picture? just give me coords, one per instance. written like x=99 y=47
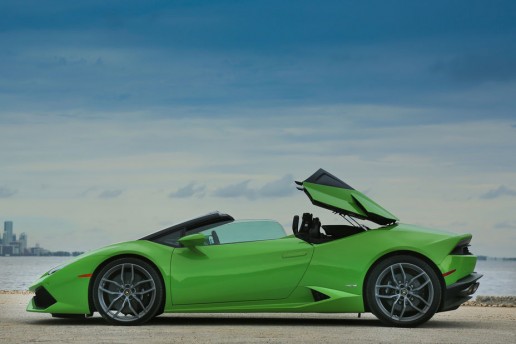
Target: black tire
x=397 y=296
x=128 y=291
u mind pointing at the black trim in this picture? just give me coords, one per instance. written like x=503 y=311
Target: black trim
x=68 y=316
x=295 y=225
x=318 y=296
x=206 y=220
x=315 y=229
x=458 y=293
x=461 y=248
x=43 y=299
x=341 y=231
x=323 y=177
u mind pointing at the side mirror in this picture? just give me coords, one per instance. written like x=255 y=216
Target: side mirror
x=193 y=240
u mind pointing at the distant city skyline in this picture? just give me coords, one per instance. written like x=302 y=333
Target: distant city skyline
x=119 y=119
x=10 y=245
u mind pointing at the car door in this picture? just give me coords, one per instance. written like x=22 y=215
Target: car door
x=241 y=261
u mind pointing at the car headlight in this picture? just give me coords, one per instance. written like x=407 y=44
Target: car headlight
x=55 y=269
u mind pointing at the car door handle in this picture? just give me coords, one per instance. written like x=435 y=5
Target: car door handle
x=294 y=254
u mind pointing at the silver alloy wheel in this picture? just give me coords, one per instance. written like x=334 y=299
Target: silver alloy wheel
x=126 y=292
x=404 y=292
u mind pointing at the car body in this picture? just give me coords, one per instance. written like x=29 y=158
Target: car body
x=402 y=273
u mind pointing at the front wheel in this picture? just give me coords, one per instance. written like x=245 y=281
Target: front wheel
x=403 y=291
x=127 y=291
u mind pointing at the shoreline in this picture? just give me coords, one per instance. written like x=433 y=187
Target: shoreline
x=492 y=301
x=479 y=301
x=470 y=325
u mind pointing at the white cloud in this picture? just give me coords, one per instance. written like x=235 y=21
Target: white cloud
x=426 y=174
x=507 y=225
x=189 y=190
x=240 y=189
x=278 y=188
x=282 y=187
x=110 y=193
x=501 y=191
x=85 y=103
x=7 y=192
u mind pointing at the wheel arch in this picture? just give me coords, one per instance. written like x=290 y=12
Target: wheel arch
x=402 y=253
x=125 y=255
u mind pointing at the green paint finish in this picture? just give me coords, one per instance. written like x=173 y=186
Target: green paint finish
x=262 y=276
x=193 y=240
x=349 y=201
x=372 y=207
x=334 y=197
x=71 y=291
x=251 y=266
x=247 y=271
x=463 y=265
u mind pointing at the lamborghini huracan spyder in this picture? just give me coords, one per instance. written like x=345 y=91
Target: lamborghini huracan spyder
x=401 y=273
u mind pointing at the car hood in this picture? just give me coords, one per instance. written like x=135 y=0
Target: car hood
x=327 y=191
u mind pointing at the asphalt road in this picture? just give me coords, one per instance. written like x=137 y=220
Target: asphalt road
x=465 y=325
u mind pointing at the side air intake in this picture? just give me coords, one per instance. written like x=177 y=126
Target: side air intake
x=318 y=296
x=43 y=299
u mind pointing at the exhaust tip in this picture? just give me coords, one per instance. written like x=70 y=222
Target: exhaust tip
x=471 y=289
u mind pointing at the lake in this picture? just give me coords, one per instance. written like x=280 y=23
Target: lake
x=17 y=273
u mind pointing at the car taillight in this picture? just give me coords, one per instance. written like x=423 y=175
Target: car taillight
x=462 y=248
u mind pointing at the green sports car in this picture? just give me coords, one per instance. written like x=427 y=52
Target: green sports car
x=401 y=273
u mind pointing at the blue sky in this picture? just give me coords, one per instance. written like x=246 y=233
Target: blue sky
x=119 y=118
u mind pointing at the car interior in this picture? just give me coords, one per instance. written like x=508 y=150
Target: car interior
x=311 y=230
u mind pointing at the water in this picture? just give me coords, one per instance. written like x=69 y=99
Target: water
x=499 y=277
x=18 y=273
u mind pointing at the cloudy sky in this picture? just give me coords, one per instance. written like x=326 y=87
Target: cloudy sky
x=120 y=118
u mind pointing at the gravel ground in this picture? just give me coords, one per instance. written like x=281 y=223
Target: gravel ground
x=465 y=325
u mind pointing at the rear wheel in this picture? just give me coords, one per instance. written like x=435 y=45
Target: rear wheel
x=403 y=291
x=127 y=291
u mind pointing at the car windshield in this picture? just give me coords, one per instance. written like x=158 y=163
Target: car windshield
x=244 y=231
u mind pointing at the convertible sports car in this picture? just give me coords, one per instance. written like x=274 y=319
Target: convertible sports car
x=401 y=273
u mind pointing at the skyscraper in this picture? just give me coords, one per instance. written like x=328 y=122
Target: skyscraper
x=23 y=243
x=8 y=232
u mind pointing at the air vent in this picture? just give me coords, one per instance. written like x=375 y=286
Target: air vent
x=318 y=296
x=43 y=299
